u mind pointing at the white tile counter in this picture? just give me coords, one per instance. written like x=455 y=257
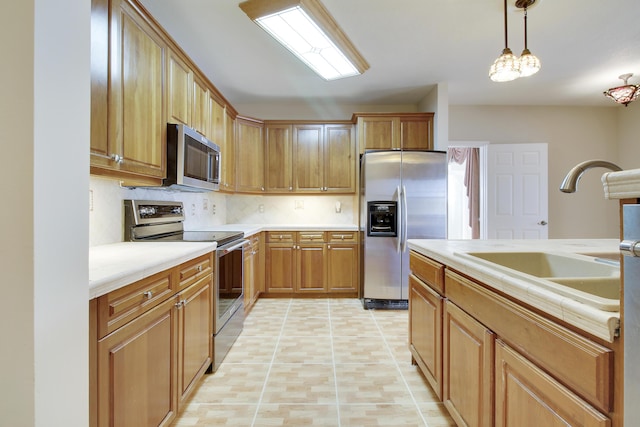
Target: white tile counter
x=598 y=322
x=119 y=264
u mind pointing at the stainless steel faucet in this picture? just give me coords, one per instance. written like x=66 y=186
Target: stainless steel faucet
x=570 y=182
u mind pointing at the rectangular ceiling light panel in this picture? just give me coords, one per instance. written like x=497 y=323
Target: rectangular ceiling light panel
x=308 y=39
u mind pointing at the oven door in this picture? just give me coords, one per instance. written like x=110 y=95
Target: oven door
x=229 y=282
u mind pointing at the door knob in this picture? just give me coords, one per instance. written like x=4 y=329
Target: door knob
x=543 y=222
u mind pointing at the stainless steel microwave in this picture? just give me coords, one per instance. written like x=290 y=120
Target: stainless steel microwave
x=193 y=161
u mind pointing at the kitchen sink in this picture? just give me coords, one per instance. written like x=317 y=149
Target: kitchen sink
x=580 y=277
x=544 y=264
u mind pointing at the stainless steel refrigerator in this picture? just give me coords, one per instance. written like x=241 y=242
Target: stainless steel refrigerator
x=403 y=195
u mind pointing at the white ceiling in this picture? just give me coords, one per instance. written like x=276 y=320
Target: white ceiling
x=412 y=45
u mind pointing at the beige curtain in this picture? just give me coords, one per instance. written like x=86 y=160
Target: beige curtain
x=471 y=156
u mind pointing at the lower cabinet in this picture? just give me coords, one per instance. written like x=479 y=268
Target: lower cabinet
x=253 y=273
x=147 y=367
x=313 y=262
x=467 y=368
x=527 y=396
x=494 y=362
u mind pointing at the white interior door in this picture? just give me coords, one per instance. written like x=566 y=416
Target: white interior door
x=517 y=191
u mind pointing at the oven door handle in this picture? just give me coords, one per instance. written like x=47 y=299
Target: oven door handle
x=226 y=250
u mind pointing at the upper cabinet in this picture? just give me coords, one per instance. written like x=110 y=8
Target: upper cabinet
x=387 y=131
x=309 y=157
x=179 y=78
x=133 y=145
x=249 y=155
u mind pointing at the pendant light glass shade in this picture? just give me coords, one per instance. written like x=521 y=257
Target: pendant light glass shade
x=505 y=68
x=529 y=64
x=624 y=94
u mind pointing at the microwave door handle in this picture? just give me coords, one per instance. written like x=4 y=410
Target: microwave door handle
x=210 y=159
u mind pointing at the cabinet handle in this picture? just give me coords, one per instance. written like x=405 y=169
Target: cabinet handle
x=117 y=158
x=328 y=246
x=290 y=188
x=199 y=268
x=262 y=188
x=148 y=294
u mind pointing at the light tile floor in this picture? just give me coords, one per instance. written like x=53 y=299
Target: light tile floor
x=317 y=362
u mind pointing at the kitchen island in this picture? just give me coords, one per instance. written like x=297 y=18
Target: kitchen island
x=500 y=350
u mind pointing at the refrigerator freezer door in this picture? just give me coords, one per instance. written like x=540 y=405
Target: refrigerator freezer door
x=382 y=261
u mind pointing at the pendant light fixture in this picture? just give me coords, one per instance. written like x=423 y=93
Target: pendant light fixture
x=506 y=67
x=624 y=94
x=529 y=63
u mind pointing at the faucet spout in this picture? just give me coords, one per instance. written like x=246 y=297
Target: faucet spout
x=570 y=182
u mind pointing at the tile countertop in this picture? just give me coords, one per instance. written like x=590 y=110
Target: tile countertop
x=116 y=265
x=621 y=185
x=600 y=323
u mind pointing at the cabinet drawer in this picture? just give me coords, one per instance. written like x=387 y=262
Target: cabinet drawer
x=192 y=271
x=281 y=236
x=428 y=271
x=577 y=362
x=311 y=236
x=123 y=305
x=343 y=236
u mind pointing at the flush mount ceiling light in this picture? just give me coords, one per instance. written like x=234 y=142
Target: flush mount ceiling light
x=624 y=94
x=307 y=29
x=529 y=63
x=506 y=67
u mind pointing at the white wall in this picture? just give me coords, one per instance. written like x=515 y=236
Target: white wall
x=437 y=101
x=574 y=134
x=629 y=136
x=44 y=112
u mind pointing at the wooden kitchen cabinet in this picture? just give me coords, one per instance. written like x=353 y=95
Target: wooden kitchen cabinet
x=253 y=273
x=467 y=368
x=278 y=158
x=425 y=331
x=228 y=153
x=321 y=263
x=134 y=146
x=179 y=78
x=547 y=374
x=309 y=157
x=137 y=367
x=200 y=106
x=249 y=155
x=395 y=131
x=151 y=343
x=526 y=396
x=195 y=332
x=343 y=262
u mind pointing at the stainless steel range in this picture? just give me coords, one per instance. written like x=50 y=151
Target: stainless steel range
x=146 y=221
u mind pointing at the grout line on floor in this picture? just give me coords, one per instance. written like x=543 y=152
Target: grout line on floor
x=273 y=357
x=333 y=362
x=397 y=365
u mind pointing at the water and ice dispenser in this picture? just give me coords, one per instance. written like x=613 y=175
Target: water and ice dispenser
x=382 y=219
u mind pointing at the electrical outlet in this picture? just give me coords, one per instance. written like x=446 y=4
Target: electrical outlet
x=205 y=204
x=213 y=209
x=193 y=209
x=299 y=204
x=261 y=208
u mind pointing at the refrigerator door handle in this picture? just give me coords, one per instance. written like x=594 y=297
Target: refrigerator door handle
x=398 y=218
x=405 y=219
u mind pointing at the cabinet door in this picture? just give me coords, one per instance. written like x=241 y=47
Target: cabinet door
x=136 y=110
x=278 y=156
x=468 y=350
x=425 y=331
x=280 y=267
x=339 y=159
x=342 y=267
x=249 y=280
x=378 y=133
x=200 y=106
x=179 y=78
x=308 y=173
x=216 y=123
x=416 y=133
x=135 y=389
x=312 y=267
x=250 y=156
x=195 y=335
x=228 y=153
x=527 y=396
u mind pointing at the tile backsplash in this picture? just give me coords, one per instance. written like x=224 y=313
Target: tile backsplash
x=106 y=210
